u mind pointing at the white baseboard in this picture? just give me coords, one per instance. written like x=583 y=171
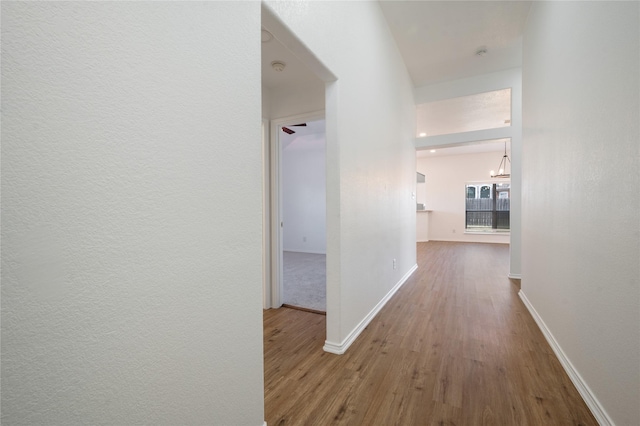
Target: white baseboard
x=589 y=398
x=468 y=241
x=515 y=276
x=341 y=348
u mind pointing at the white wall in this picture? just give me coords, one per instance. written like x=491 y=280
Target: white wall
x=511 y=78
x=288 y=101
x=370 y=119
x=131 y=227
x=446 y=178
x=304 y=204
x=581 y=232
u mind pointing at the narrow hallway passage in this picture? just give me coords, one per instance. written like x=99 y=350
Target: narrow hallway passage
x=454 y=346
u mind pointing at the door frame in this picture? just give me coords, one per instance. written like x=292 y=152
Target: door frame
x=266 y=217
x=275 y=201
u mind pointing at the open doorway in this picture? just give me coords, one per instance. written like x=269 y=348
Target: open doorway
x=464 y=199
x=295 y=206
x=303 y=214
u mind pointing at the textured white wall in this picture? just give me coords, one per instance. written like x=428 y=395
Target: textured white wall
x=304 y=201
x=370 y=155
x=581 y=190
x=446 y=178
x=131 y=257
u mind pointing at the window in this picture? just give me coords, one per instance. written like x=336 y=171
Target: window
x=487 y=207
x=471 y=192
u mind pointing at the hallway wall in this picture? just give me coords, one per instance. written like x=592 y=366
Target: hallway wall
x=581 y=193
x=131 y=241
x=370 y=117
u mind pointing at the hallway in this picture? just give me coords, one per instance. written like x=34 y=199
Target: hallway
x=455 y=345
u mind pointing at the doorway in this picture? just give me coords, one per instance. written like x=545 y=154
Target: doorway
x=297 y=209
x=302 y=177
x=294 y=80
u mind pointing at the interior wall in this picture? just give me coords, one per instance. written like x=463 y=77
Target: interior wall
x=581 y=234
x=511 y=78
x=304 y=205
x=446 y=178
x=289 y=101
x=131 y=236
x=370 y=155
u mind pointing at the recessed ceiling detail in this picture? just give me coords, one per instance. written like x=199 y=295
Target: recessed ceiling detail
x=496 y=146
x=488 y=110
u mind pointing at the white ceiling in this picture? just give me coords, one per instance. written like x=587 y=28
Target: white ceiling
x=438 y=39
x=295 y=73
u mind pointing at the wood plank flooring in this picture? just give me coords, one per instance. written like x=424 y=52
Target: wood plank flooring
x=454 y=346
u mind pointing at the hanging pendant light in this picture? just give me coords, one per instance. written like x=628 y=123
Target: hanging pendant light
x=502 y=168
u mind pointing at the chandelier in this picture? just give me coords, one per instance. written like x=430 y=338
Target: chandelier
x=502 y=168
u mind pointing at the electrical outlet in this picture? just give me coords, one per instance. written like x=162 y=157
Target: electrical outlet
x=394 y=264
x=304 y=239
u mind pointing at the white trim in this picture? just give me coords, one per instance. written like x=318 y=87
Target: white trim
x=266 y=216
x=470 y=241
x=341 y=348
x=506 y=233
x=589 y=398
x=514 y=276
x=306 y=251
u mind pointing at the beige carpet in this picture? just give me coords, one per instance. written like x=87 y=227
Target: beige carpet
x=305 y=280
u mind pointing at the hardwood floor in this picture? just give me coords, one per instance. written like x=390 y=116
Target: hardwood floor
x=454 y=346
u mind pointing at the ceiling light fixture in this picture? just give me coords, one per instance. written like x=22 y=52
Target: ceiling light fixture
x=433 y=150
x=278 y=65
x=502 y=168
x=423 y=134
